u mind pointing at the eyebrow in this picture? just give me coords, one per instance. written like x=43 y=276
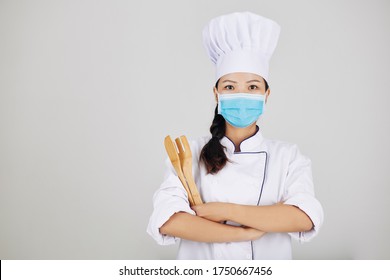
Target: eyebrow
x=227 y=81
x=230 y=81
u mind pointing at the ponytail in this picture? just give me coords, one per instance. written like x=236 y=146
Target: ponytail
x=213 y=154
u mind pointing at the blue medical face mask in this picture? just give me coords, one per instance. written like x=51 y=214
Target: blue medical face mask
x=241 y=109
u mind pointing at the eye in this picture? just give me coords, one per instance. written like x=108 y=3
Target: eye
x=253 y=87
x=229 y=87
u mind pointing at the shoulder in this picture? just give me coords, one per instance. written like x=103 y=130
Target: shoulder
x=284 y=149
x=279 y=145
x=198 y=143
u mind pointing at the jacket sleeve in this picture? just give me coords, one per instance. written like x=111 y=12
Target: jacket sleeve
x=299 y=191
x=169 y=199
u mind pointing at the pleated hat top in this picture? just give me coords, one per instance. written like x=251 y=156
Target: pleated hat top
x=241 y=42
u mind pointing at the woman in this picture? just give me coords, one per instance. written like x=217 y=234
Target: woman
x=258 y=193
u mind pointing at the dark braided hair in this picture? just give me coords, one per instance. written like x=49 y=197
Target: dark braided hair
x=213 y=154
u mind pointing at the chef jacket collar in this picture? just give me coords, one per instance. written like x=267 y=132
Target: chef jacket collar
x=250 y=144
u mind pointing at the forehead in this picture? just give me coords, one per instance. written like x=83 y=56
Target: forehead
x=241 y=77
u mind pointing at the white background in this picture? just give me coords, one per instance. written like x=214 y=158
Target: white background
x=89 y=89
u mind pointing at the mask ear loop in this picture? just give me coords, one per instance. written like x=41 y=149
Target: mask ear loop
x=218 y=102
x=263 y=109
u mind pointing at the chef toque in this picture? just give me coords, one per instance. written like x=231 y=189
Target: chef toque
x=241 y=42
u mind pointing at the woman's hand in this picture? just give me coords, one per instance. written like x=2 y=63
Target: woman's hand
x=213 y=211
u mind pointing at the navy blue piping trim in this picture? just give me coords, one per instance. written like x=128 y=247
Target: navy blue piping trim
x=257 y=130
x=261 y=152
x=262 y=183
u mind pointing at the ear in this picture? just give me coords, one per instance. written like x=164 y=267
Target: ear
x=215 y=94
x=267 y=93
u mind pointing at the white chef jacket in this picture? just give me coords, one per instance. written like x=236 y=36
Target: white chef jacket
x=264 y=172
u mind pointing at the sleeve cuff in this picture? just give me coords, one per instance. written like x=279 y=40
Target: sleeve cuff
x=167 y=202
x=161 y=216
x=310 y=205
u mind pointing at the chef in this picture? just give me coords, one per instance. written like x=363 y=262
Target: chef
x=258 y=193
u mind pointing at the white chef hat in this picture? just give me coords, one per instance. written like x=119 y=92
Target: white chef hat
x=241 y=42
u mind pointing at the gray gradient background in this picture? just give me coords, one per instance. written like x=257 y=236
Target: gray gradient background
x=89 y=90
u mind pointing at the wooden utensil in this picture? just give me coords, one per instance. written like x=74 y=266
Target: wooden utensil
x=185 y=156
x=175 y=160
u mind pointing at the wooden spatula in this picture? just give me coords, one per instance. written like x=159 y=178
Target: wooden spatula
x=175 y=160
x=185 y=156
